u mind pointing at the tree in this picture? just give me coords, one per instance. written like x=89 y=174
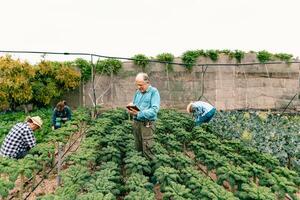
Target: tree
x=52 y=79
x=15 y=82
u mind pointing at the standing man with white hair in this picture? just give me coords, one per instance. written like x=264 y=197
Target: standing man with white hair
x=144 y=108
x=20 y=138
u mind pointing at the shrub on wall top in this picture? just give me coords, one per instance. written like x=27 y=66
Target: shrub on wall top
x=189 y=58
x=264 y=56
x=284 y=56
x=108 y=66
x=212 y=54
x=166 y=57
x=238 y=55
x=141 y=60
x=85 y=69
x=225 y=51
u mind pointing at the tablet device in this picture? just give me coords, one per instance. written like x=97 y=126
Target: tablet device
x=133 y=108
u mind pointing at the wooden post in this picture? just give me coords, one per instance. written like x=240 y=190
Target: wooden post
x=53 y=155
x=59 y=162
x=44 y=174
x=33 y=179
x=22 y=180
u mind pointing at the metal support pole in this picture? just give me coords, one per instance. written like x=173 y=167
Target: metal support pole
x=202 y=84
x=289 y=103
x=93 y=86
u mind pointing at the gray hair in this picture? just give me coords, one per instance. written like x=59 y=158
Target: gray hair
x=143 y=76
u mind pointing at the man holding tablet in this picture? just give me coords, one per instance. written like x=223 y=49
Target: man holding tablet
x=144 y=108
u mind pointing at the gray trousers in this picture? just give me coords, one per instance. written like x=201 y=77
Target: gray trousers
x=143 y=136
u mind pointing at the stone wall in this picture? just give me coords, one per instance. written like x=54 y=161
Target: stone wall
x=227 y=87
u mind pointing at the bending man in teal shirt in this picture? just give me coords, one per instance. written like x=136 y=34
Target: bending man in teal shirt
x=202 y=112
x=147 y=100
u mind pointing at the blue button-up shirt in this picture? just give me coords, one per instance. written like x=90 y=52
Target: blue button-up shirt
x=201 y=108
x=148 y=103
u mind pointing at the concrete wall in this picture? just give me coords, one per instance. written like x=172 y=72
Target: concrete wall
x=227 y=87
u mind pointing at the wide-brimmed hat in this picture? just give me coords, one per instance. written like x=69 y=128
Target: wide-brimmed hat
x=189 y=106
x=36 y=120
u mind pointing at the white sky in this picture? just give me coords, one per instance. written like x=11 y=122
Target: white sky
x=128 y=27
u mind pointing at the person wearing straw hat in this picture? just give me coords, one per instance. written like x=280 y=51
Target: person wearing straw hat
x=202 y=112
x=20 y=138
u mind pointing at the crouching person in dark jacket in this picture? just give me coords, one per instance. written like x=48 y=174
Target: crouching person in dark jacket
x=61 y=114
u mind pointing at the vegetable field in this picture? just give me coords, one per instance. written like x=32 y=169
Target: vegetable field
x=269 y=133
x=239 y=155
x=18 y=177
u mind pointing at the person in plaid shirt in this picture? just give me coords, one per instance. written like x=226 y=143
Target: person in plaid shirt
x=20 y=138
